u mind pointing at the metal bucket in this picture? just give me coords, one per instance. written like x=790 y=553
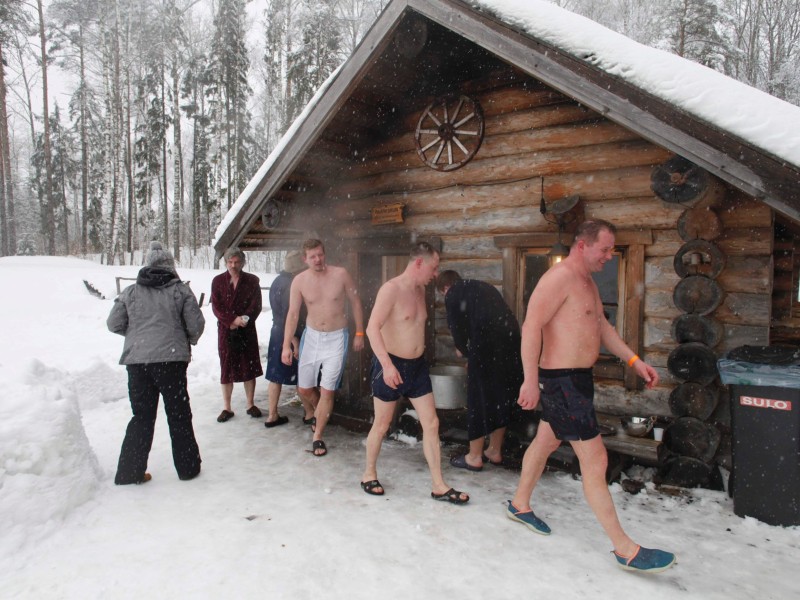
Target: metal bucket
x=449 y=386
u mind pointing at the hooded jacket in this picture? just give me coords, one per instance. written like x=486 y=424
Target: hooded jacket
x=159 y=318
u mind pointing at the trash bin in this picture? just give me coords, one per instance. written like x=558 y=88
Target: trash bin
x=765 y=418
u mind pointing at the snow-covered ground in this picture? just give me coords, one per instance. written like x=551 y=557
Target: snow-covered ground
x=266 y=519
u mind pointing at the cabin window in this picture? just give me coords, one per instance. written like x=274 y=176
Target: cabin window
x=621 y=286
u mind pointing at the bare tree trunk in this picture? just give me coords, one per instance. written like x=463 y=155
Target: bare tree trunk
x=8 y=226
x=177 y=202
x=84 y=133
x=49 y=216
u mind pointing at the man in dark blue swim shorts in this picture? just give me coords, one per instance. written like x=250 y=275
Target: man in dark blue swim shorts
x=396 y=332
x=414 y=373
x=562 y=334
x=567 y=400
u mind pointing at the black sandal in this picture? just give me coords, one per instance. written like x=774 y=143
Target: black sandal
x=452 y=495
x=318 y=445
x=370 y=486
x=312 y=421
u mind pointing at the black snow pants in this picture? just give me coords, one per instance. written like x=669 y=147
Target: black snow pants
x=145 y=382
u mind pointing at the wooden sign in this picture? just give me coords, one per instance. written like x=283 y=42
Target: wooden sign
x=388 y=213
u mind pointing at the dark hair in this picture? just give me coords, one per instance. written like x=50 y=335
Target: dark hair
x=312 y=243
x=589 y=230
x=446 y=279
x=422 y=250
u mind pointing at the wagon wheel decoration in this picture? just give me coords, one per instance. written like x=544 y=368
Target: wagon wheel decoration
x=449 y=132
x=271 y=215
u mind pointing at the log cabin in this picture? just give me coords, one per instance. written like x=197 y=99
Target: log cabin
x=491 y=134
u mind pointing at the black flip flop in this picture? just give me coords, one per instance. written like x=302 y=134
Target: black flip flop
x=279 y=421
x=453 y=496
x=370 y=486
x=312 y=421
x=318 y=445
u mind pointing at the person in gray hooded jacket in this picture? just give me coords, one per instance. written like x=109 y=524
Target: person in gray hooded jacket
x=161 y=320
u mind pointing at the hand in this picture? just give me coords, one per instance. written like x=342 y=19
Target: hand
x=295 y=347
x=391 y=377
x=286 y=356
x=529 y=394
x=358 y=343
x=458 y=353
x=647 y=373
x=238 y=322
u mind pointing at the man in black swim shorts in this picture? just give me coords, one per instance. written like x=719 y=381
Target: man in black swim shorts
x=396 y=332
x=562 y=334
x=414 y=373
x=567 y=400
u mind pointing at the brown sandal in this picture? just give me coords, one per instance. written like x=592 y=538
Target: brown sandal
x=225 y=415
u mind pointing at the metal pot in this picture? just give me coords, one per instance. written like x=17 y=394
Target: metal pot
x=449 y=386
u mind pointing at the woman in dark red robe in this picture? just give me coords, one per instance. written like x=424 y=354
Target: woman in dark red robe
x=236 y=302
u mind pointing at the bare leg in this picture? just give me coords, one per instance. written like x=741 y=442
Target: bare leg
x=533 y=464
x=273 y=394
x=323 y=412
x=250 y=392
x=494 y=451
x=384 y=413
x=426 y=411
x=475 y=455
x=227 y=394
x=594 y=461
x=309 y=397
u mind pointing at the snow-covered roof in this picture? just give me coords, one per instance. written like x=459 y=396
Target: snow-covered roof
x=744 y=111
x=737 y=132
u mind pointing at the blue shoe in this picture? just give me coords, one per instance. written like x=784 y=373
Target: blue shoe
x=646 y=560
x=527 y=518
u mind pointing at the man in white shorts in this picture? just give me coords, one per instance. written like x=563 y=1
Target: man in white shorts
x=323 y=347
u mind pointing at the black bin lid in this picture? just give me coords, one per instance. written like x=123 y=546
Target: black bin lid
x=767 y=355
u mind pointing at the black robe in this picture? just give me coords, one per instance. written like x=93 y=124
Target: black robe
x=486 y=332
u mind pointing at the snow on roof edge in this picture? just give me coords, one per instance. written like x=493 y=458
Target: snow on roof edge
x=242 y=201
x=744 y=111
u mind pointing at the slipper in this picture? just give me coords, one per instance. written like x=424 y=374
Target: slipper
x=254 y=412
x=499 y=463
x=279 y=421
x=452 y=495
x=370 y=486
x=312 y=421
x=319 y=445
x=460 y=462
x=225 y=415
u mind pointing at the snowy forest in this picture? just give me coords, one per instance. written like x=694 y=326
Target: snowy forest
x=125 y=121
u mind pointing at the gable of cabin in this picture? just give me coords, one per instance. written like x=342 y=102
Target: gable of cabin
x=358 y=152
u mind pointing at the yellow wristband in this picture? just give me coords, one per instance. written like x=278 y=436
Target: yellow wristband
x=633 y=359
x=359 y=334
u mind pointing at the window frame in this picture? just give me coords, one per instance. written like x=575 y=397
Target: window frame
x=631 y=244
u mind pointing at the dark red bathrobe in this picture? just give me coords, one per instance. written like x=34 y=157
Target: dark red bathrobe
x=238 y=352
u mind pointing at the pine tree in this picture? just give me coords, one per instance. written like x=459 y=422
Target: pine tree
x=228 y=94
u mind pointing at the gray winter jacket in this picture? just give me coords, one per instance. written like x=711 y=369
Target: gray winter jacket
x=159 y=318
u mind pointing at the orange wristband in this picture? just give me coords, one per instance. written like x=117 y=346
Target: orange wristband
x=633 y=359
x=359 y=334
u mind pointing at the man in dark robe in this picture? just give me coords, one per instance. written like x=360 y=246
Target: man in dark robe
x=486 y=332
x=236 y=302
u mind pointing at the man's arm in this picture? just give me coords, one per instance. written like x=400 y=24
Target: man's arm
x=384 y=303
x=617 y=346
x=358 y=311
x=295 y=300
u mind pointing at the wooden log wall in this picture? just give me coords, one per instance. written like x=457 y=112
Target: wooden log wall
x=538 y=141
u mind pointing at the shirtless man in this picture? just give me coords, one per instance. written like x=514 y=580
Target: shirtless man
x=323 y=347
x=561 y=337
x=396 y=332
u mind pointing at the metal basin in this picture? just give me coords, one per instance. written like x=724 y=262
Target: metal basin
x=449 y=386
